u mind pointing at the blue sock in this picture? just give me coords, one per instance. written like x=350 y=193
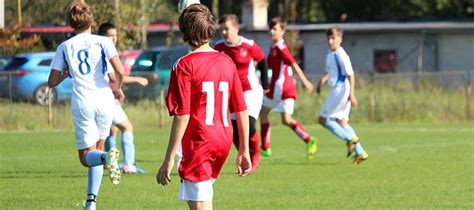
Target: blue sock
x=128 y=148
x=95 y=158
x=110 y=143
x=336 y=129
x=358 y=147
x=94 y=179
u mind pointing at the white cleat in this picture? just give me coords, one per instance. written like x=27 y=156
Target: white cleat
x=114 y=170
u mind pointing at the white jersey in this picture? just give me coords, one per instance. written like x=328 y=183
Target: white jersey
x=338 y=67
x=85 y=56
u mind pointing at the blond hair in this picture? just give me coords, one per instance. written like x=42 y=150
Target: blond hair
x=80 y=16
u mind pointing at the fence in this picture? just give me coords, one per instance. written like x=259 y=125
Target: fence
x=397 y=97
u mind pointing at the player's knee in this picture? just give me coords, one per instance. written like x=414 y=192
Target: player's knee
x=83 y=161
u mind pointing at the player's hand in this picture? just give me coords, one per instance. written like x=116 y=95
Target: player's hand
x=353 y=100
x=244 y=165
x=143 y=81
x=163 y=176
x=318 y=88
x=118 y=93
x=309 y=87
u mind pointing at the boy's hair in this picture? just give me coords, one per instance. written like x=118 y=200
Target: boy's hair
x=104 y=27
x=229 y=17
x=334 y=31
x=197 y=25
x=275 y=21
x=79 y=16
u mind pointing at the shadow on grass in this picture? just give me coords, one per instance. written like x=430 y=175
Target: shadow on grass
x=40 y=174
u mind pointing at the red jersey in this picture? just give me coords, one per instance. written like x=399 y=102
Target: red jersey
x=282 y=85
x=205 y=85
x=246 y=54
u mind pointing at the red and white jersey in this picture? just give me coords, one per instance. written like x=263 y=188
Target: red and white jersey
x=205 y=85
x=282 y=85
x=246 y=54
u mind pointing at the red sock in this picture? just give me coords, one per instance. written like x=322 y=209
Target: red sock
x=265 y=134
x=301 y=132
x=254 y=150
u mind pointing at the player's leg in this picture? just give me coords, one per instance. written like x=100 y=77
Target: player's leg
x=265 y=131
x=254 y=144
x=235 y=137
x=110 y=141
x=361 y=154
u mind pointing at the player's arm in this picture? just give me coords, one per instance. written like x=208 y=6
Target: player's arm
x=180 y=122
x=352 y=96
x=56 y=77
x=321 y=82
x=306 y=83
x=132 y=79
x=262 y=66
x=244 y=165
x=119 y=75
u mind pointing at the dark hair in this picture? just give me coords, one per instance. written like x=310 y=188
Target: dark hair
x=336 y=31
x=104 y=27
x=79 y=16
x=229 y=17
x=197 y=25
x=275 y=21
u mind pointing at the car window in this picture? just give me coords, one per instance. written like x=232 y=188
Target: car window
x=15 y=63
x=169 y=58
x=46 y=62
x=144 y=62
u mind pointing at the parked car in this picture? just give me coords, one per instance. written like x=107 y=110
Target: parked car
x=128 y=59
x=3 y=61
x=29 y=77
x=155 y=64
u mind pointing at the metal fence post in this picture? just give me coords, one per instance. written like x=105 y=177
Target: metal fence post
x=468 y=96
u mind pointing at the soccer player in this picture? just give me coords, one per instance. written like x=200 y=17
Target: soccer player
x=282 y=94
x=204 y=87
x=246 y=55
x=340 y=77
x=84 y=58
x=120 y=119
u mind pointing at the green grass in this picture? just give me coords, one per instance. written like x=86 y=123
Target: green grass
x=411 y=166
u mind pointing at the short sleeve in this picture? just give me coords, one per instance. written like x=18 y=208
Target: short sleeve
x=109 y=48
x=346 y=65
x=237 y=100
x=257 y=53
x=286 y=56
x=59 y=62
x=178 y=99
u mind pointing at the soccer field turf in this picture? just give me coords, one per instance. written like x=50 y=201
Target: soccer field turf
x=410 y=166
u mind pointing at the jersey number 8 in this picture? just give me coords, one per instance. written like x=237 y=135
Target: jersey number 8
x=82 y=56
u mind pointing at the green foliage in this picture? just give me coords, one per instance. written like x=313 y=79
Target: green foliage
x=410 y=166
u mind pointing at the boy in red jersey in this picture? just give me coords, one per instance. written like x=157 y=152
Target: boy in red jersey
x=282 y=94
x=247 y=56
x=204 y=88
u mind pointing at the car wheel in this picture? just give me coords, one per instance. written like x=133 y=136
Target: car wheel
x=40 y=95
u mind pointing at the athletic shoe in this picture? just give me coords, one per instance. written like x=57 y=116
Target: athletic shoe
x=351 y=145
x=134 y=169
x=311 y=148
x=359 y=158
x=89 y=204
x=114 y=170
x=266 y=153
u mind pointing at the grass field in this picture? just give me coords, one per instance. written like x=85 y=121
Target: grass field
x=411 y=166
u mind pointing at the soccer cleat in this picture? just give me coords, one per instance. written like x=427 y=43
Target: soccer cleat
x=134 y=169
x=266 y=153
x=359 y=158
x=351 y=145
x=311 y=148
x=89 y=204
x=114 y=170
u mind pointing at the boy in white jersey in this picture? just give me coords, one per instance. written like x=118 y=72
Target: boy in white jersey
x=340 y=78
x=84 y=59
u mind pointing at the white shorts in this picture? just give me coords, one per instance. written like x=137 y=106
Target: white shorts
x=281 y=106
x=119 y=115
x=91 y=123
x=196 y=191
x=337 y=104
x=253 y=100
